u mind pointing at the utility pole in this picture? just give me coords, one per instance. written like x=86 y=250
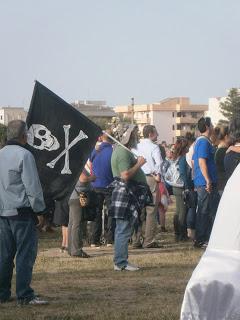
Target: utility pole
x=132 y=105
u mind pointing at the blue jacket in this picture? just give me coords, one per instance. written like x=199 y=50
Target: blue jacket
x=101 y=165
x=19 y=181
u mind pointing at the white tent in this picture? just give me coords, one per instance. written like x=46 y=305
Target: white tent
x=213 y=292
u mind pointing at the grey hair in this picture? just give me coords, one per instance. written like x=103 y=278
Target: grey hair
x=16 y=129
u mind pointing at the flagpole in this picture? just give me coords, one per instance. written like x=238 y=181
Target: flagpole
x=115 y=140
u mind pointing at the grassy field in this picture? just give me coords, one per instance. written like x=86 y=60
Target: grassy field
x=89 y=288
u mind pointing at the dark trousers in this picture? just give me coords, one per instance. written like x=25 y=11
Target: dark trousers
x=179 y=219
x=18 y=238
x=103 y=197
x=206 y=212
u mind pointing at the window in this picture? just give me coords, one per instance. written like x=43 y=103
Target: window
x=1 y=117
x=173 y=114
x=173 y=127
x=179 y=114
x=179 y=127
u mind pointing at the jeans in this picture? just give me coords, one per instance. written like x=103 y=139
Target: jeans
x=191 y=211
x=75 y=228
x=207 y=205
x=123 y=234
x=18 y=238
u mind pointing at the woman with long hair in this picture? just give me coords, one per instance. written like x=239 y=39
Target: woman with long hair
x=179 y=220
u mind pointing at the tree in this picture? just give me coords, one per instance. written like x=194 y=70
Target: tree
x=3 y=134
x=231 y=107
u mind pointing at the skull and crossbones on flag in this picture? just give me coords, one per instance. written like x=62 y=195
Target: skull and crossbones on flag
x=61 y=140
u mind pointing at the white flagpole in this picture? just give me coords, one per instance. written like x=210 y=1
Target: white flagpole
x=115 y=140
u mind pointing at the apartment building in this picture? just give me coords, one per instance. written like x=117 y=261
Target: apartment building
x=95 y=109
x=172 y=117
x=8 y=114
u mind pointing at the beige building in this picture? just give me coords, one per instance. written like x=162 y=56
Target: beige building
x=95 y=109
x=8 y=114
x=173 y=117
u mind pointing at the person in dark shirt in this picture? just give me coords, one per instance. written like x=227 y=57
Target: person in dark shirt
x=232 y=157
x=101 y=168
x=219 y=157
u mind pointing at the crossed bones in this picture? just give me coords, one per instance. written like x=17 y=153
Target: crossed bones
x=68 y=146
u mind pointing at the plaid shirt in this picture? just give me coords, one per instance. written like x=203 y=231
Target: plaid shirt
x=128 y=199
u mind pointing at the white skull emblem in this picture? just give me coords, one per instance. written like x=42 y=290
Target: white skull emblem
x=44 y=137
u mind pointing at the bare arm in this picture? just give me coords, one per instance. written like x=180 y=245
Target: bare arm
x=203 y=166
x=84 y=178
x=234 y=149
x=128 y=174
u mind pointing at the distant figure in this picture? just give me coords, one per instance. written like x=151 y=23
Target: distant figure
x=21 y=199
x=205 y=182
x=222 y=147
x=232 y=157
x=152 y=169
x=101 y=168
x=123 y=207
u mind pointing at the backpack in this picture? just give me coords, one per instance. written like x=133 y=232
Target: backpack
x=172 y=175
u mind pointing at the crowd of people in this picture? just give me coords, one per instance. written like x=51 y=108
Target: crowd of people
x=193 y=171
x=124 y=191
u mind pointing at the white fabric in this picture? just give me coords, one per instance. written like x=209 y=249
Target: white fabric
x=189 y=155
x=151 y=152
x=213 y=292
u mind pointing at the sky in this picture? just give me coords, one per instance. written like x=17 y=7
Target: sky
x=117 y=49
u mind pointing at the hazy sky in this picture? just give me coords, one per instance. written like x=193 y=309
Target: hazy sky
x=118 y=49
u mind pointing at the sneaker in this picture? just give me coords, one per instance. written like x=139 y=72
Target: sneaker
x=6 y=300
x=131 y=267
x=200 y=245
x=36 y=301
x=109 y=245
x=137 y=246
x=97 y=246
x=128 y=267
x=153 y=244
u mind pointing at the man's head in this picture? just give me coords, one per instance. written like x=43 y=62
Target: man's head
x=105 y=137
x=17 y=130
x=150 y=132
x=205 y=126
x=130 y=136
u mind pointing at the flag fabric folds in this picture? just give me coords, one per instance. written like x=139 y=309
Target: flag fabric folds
x=61 y=140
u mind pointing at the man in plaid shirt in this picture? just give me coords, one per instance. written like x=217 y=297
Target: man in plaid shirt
x=128 y=169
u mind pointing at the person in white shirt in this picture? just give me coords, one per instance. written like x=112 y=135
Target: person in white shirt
x=152 y=169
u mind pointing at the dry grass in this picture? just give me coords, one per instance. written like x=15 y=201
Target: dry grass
x=89 y=289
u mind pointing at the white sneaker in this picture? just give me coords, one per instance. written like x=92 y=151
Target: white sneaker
x=36 y=301
x=109 y=245
x=128 y=267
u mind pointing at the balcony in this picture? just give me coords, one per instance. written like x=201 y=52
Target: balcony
x=182 y=132
x=186 y=120
x=143 y=120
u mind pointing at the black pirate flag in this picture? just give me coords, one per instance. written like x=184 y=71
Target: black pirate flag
x=61 y=139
